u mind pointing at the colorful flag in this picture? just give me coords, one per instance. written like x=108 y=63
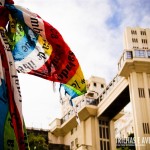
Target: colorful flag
x=12 y=130
x=28 y=44
x=39 y=49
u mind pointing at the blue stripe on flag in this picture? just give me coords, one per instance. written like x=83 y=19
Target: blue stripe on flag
x=22 y=49
x=3 y=111
x=15 y=12
x=70 y=91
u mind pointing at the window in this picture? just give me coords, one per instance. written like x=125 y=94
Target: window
x=139 y=53
x=134 y=40
x=129 y=54
x=143 y=32
x=146 y=129
x=104 y=134
x=133 y=32
x=144 y=41
x=148 y=53
x=141 y=92
x=90 y=94
x=94 y=84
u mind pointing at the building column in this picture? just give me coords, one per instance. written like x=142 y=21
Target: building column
x=140 y=100
x=82 y=130
x=97 y=133
x=112 y=135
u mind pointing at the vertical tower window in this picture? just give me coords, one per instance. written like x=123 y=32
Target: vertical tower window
x=143 y=32
x=133 y=32
x=134 y=40
x=141 y=92
x=144 y=41
x=146 y=129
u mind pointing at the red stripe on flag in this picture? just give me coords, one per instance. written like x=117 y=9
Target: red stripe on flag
x=15 y=116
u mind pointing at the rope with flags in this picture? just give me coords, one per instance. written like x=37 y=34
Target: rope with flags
x=29 y=44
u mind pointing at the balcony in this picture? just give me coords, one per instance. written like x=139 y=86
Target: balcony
x=56 y=125
x=79 y=106
x=85 y=109
x=137 y=60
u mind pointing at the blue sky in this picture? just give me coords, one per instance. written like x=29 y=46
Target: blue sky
x=94 y=31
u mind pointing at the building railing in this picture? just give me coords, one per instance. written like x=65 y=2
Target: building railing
x=130 y=54
x=90 y=101
x=79 y=105
x=109 y=88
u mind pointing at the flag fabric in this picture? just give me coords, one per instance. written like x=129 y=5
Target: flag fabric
x=39 y=49
x=12 y=129
x=28 y=44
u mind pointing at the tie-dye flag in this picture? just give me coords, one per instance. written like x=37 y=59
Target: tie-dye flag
x=28 y=44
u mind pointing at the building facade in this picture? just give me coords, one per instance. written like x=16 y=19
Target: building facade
x=134 y=65
x=103 y=104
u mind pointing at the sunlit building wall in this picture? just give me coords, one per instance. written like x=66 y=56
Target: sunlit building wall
x=97 y=131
